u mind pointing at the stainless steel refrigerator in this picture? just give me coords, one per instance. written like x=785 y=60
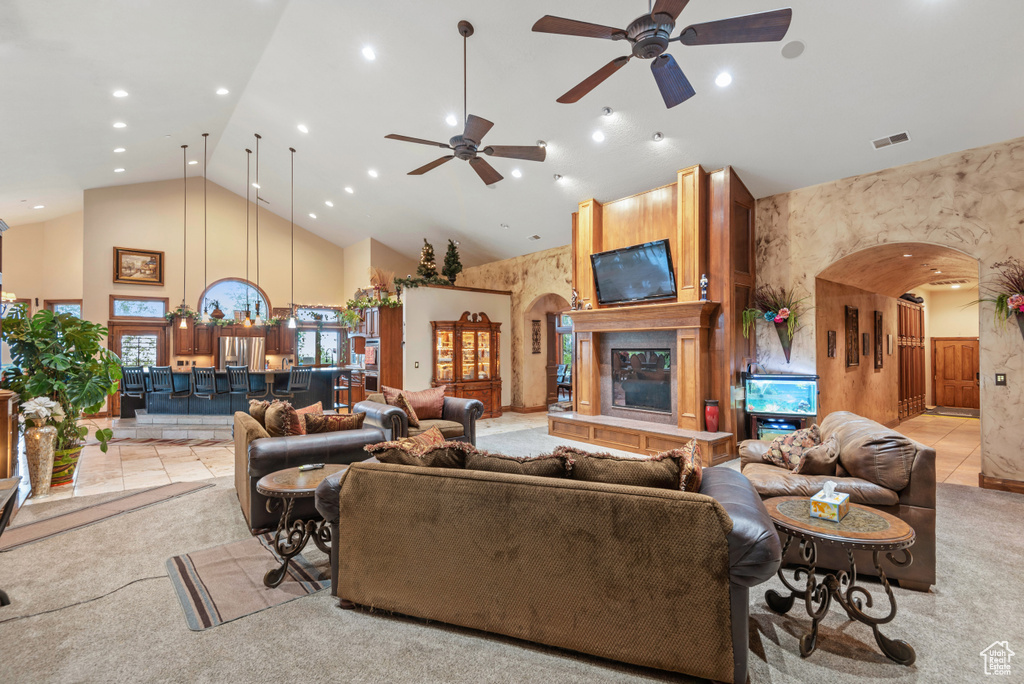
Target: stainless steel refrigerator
x=243 y=351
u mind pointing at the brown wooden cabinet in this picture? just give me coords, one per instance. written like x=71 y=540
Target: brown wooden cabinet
x=467 y=359
x=202 y=340
x=184 y=342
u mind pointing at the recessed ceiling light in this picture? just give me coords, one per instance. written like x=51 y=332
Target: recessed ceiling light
x=937 y=271
x=607 y=111
x=256 y=185
x=120 y=124
x=302 y=128
x=955 y=287
x=505 y=226
x=193 y=162
x=329 y=203
x=558 y=176
x=369 y=54
x=451 y=120
x=118 y=170
x=312 y=215
x=39 y=206
x=723 y=79
x=908 y=255
x=223 y=91
x=373 y=173
x=598 y=136
x=516 y=173
x=118 y=149
x=120 y=93
x=793 y=49
x=541 y=143
x=658 y=137
x=349 y=190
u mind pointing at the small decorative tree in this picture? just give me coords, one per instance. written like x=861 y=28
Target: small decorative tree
x=452 y=263
x=427 y=267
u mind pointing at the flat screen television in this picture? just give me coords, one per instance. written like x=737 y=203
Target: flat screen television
x=634 y=274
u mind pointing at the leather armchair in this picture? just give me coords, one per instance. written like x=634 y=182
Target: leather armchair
x=457 y=423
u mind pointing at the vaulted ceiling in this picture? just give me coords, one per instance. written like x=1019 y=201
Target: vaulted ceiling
x=950 y=73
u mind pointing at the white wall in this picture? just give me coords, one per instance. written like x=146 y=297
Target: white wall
x=425 y=304
x=947 y=313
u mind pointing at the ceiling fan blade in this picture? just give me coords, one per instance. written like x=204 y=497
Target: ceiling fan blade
x=673 y=85
x=432 y=165
x=421 y=141
x=476 y=128
x=486 y=172
x=763 y=27
x=595 y=79
x=670 y=7
x=571 y=27
x=527 y=152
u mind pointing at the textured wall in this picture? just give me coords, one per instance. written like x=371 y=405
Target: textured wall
x=971 y=201
x=528 y=277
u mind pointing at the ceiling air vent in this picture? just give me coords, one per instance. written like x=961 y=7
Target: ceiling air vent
x=949 y=282
x=534 y=237
x=891 y=140
x=4 y=227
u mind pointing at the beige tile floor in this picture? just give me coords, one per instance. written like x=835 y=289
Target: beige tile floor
x=957 y=444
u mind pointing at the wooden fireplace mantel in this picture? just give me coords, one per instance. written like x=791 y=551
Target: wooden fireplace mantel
x=671 y=316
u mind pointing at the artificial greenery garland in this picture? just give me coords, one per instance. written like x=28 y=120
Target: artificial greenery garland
x=416 y=281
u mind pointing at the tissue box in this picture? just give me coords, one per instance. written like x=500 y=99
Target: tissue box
x=834 y=508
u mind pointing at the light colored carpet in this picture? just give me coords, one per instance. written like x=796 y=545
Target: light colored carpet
x=138 y=634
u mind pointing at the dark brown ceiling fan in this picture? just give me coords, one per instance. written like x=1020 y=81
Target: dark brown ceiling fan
x=467 y=145
x=650 y=36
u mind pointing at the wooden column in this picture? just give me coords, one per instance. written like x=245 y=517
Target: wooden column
x=586 y=394
x=588 y=241
x=691 y=258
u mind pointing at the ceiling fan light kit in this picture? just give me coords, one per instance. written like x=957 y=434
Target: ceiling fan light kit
x=650 y=35
x=467 y=146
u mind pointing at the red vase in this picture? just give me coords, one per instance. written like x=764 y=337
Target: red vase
x=711 y=415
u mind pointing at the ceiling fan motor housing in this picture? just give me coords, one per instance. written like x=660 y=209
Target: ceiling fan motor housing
x=650 y=35
x=464 y=147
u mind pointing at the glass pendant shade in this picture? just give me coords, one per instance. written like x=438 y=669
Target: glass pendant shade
x=206 y=317
x=184 y=323
x=291 y=322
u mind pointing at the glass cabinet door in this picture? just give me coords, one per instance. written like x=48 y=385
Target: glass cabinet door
x=445 y=370
x=468 y=355
x=497 y=355
x=483 y=356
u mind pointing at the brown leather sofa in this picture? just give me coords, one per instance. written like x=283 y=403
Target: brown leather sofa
x=653 y=577
x=898 y=477
x=457 y=422
x=258 y=454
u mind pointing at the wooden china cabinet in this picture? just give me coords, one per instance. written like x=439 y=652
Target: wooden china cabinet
x=467 y=359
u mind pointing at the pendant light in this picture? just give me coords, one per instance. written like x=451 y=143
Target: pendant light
x=259 y=320
x=206 y=278
x=183 y=309
x=291 y=319
x=248 y=165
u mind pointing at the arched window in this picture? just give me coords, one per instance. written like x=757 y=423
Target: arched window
x=231 y=295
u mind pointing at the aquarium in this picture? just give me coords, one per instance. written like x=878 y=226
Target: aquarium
x=782 y=395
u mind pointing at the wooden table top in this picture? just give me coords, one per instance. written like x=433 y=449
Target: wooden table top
x=863 y=527
x=292 y=483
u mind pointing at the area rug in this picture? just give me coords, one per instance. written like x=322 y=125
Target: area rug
x=953 y=412
x=141 y=441
x=90 y=515
x=225 y=583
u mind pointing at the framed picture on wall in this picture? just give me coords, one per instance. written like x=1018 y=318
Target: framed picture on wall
x=535 y=337
x=831 y=344
x=879 y=333
x=852 y=337
x=889 y=338
x=138 y=266
x=865 y=344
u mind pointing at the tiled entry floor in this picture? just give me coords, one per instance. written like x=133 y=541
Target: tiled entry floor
x=957 y=444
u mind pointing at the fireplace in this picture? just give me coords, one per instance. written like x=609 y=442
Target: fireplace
x=642 y=379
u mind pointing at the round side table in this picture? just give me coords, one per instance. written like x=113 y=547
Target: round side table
x=282 y=488
x=863 y=529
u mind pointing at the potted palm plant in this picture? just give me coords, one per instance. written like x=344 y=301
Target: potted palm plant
x=61 y=357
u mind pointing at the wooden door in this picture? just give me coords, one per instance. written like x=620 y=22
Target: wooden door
x=910 y=326
x=955 y=372
x=554 y=352
x=137 y=345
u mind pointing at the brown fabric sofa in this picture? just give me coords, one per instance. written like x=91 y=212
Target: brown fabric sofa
x=899 y=478
x=457 y=422
x=258 y=454
x=653 y=577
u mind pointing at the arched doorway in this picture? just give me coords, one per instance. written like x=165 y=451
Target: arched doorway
x=874 y=350
x=542 y=351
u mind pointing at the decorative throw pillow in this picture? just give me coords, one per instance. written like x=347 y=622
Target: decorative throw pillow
x=691 y=472
x=407 y=452
x=376 y=398
x=661 y=471
x=427 y=403
x=821 y=459
x=390 y=394
x=426 y=438
x=258 y=410
x=319 y=422
x=402 y=402
x=550 y=465
x=316 y=408
x=284 y=421
x=785 y=450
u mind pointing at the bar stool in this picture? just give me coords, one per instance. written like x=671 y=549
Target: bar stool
x=162 y=380
x=240 y=382
x=204 y=382
x=133 y=382
x=299 y=380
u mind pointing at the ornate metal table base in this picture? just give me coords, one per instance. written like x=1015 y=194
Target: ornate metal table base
x=842 y=588
x=291 y=538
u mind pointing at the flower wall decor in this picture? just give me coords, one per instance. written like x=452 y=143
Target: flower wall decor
x=777 y=306
x=1008 y=295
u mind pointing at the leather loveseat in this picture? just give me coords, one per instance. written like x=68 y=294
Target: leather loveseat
x=897 y=475
x=457 y=422
x=258 y=454
x=653 y=577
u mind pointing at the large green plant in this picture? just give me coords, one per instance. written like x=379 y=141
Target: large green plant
x=62 y=357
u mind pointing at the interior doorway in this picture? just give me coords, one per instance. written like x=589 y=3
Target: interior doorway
x=139 y=344
x=542 y=357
